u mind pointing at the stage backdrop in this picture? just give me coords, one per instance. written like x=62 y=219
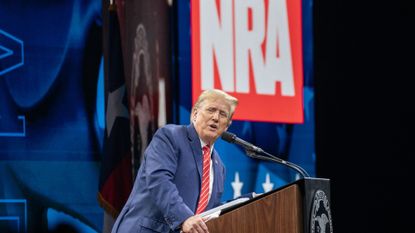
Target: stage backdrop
x=261 y=52
x=54 y=129
x=50 y=124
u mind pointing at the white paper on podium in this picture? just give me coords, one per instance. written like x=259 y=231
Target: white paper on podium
x=215 y=212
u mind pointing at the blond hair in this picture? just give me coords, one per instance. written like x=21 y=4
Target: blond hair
x=214 y=94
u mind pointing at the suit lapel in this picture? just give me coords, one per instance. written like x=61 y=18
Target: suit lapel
x=217 y=177
x=196 y=149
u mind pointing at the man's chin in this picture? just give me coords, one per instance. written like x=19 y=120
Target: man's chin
x=210 y=138
x=214 y=137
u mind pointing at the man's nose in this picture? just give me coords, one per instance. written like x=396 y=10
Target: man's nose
x=216 y=115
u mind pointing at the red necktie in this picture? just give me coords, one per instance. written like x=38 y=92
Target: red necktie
x=204 y=191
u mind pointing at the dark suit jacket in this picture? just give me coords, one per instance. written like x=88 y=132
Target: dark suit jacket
x=166 y=190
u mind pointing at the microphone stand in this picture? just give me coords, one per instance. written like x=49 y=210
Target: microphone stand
x=254 y=152
x=273 y=158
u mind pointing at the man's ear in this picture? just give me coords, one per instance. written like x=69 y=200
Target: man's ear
x=194 y=114
x=229 y=124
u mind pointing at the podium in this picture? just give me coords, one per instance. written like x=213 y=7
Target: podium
x=299 y=207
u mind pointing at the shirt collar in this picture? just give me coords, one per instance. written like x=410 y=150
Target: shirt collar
x=202 y=144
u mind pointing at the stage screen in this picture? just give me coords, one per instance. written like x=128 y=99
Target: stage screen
x=52 y=96
x=51 y=114
x=260 y=52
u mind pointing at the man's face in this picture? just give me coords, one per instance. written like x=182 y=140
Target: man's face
x=211 y=119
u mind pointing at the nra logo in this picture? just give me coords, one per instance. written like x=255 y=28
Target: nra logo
x=251 y=49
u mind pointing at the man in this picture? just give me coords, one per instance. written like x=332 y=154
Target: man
x=174 y=183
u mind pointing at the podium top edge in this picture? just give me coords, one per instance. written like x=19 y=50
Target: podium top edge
x=314 y=178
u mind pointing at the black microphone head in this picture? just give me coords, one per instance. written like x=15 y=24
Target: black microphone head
x=229 y=137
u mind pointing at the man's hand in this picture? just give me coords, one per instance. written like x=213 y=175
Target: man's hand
x=194 y=224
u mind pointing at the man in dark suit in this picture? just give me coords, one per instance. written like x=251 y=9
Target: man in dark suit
x=174 y=182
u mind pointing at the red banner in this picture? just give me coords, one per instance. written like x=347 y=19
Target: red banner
x=252 y=50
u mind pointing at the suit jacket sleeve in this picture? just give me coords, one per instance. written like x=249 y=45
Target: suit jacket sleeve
x=161 y=159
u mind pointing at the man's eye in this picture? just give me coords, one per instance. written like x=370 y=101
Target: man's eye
x=211 y=110
x=224 y=114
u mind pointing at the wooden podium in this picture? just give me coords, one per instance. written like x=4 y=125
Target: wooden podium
x=299 y=207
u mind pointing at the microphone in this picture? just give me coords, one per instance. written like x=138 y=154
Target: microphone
x=251 y=151
x=232 y=138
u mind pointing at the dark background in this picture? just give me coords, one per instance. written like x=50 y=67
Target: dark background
x=365 y=112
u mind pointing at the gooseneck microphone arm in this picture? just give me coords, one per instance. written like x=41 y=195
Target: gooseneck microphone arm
x=255 y=152
x=273 y=158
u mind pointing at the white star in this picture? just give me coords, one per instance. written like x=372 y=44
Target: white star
x=115 y=107
x=237 y=186
x=267 y=186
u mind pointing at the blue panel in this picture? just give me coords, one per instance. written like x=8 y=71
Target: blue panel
x=11 y=52
x=50 y=107
x=51 y=111
x=60 y=221
x=13 y=215
x=11 y=223
x=17 y=133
